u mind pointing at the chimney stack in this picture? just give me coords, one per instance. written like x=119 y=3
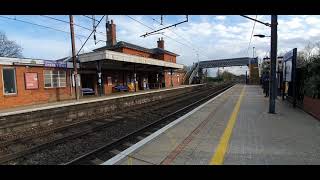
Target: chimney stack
x=160 y=43
x=111 y=34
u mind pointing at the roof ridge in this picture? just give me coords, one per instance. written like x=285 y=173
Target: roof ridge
x=136 y=47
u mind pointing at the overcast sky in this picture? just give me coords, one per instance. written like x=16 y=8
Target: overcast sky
x=212 y=37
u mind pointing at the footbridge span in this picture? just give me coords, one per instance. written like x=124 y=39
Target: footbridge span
x=195 y=72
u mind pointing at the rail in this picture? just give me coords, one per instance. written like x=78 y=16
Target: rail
x=85 y=157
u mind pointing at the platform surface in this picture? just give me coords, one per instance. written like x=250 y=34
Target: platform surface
x=234 y=128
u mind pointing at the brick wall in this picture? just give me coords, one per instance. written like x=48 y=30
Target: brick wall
x=165 y=57
x=312 y=105
x=136 y=53
x=35 y=96
x=169 y=58
x=177 y=79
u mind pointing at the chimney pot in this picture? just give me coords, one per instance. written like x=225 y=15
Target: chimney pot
x=161 y=43
x=111 y=34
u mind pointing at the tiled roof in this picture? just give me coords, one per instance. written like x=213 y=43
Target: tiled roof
x=136 y=47
x=159 y=50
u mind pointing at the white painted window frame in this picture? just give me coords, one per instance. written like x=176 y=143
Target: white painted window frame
x=51 y=75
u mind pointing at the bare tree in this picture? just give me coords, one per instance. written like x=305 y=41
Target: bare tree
x=308 y=50
x=9 y=48
x=317 y=46
x=301 y=58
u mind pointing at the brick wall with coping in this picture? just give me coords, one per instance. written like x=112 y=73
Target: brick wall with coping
x=312 y=106
x=84 y=111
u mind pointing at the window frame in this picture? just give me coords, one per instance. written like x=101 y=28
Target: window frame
x=58 y=78
x=65 y=78
x=15 y=82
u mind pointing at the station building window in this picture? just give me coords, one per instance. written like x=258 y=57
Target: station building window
x=9 y=81
x=54 y=78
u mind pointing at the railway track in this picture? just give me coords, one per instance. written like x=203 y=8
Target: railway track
x=25 y=150
x=15 y=148
x=108 y=150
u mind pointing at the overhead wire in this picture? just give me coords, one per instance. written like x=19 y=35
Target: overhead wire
x=48 y=27
x=154 y=29
x=90 y=34
x=254 y=24
x=43 y=26
x=90 y=18
x=79 y=35
x=37 y=24
x=198 y=49
x=73 y=24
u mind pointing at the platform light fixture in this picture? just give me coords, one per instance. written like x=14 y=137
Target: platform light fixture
x=261 y=35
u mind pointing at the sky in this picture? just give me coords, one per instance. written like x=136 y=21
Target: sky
x=206 y=37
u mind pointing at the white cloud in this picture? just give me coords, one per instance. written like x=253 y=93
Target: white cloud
x=313 y=20
x=221 y=18
x=215 y=39
x=294 y=23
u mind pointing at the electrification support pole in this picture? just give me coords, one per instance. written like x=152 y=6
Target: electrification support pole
x=158 y=84
x=171 y=77
x=99 y=73
x=284 y=79
x=107 y=29
x=294 y=82
x=273 y=84
x=135 y=77
x=74 y=59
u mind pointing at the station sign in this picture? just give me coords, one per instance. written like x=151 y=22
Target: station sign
x=287 y=71
x=287 y=66
x=55 y=64
x=289 y=75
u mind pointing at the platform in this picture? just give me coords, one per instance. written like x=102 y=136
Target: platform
x=232 y=128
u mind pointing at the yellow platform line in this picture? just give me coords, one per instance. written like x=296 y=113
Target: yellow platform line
x=218 y=156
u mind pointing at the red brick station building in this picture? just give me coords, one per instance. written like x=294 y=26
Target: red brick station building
x=109 y=69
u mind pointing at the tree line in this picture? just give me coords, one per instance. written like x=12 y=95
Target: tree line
x=308 y=62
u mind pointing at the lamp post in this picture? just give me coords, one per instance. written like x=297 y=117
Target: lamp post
x=274 y=39
x=273 y=61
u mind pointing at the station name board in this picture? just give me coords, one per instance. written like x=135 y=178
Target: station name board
x=55 y=64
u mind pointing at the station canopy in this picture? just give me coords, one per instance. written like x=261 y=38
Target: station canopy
x=120 y=61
